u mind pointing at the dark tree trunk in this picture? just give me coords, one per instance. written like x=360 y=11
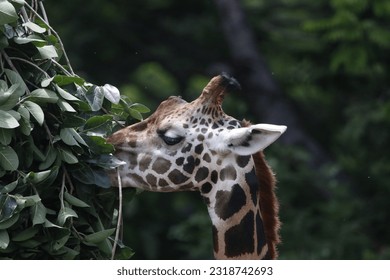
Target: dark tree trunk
x=266 y=100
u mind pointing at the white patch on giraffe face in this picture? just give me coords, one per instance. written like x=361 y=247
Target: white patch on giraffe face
x=246 y=140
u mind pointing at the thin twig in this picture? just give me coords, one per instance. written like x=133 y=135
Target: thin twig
x=69 y=180
x=24 y=18
x=31 y=64
x=61 y=67
x=61 y=196
x=55 y=34
x=44 y=14
x=6 y=57
x=118 y=226
x=48 y=133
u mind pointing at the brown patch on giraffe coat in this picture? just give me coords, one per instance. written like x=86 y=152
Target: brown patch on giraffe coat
x=138 y=179
x=144 y=162
x=151 y=179
x=161 y=165
x=189 y=166
x=261 y=240
x=243 y=161
x=206 y=157
x=206 y=188
x=177 y=177
x=214 y=176
x=162 y=182
x=139 y=126
x=239 y=239
x=201 y=174
x=229 y=202
x=228 y=173
x=215 y=239
x=253 y=183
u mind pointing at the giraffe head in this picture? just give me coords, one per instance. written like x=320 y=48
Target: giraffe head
x=196 y=146
x=180 y=146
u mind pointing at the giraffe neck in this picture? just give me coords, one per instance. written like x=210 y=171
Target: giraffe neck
x=234 y=209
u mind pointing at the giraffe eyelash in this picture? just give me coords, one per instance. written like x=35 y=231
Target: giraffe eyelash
x=169 y=140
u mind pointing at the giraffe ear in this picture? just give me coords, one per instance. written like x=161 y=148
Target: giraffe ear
x=251 y=139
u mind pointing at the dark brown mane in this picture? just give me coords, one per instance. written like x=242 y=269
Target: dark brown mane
x=269 y=203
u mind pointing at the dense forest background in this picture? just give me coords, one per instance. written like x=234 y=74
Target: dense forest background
x=320 y=67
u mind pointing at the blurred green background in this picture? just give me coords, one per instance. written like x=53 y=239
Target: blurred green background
x=329 y=61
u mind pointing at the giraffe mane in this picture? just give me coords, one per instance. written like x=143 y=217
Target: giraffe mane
x=268 y=201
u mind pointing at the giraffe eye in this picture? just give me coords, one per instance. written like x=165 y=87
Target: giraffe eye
x=169 y=140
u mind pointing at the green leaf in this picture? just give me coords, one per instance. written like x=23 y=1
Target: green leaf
x=35 y=110
x=67 y=137
x=46 y=82
x=63 y=80
x=4 y=239
x=72 y=120
x=111 y=93
x=89 y=176
x=99 y=145
x=20 y=2
x=96 y=123
x=5 y=136
x=66 y=95
x=49 y=224
x=27 y=201
x=9 y=187
x=8 y=100
x=34 y=27
x=38 y=212
x=25 y=125
x=24 y=112
x=43 y=95
x=26 y=234
x=136 y=114
x=68 y=156
x=37 y=177
x=8 y=158
x=64 y=214
x=71 y=137
x=7 y=120
x=7 y=13
x=15 y=114
x=65 y=106
x=3 y=42
x=124 y=253
x=140 y=108
x=47 y=52
x=74 y=200
x=95 y=98
x=9 y=222
x=29 y=39
x=50 y=158
x=8 y=208
x=99 y=236
x=59 y=243
x=16 y=79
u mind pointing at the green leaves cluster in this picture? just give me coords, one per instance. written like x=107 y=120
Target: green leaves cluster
x=55 y=200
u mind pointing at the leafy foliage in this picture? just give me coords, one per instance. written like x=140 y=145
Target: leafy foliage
x=55 y=200
x=331 y=58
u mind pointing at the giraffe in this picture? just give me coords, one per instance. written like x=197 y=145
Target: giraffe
x=197 y=147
